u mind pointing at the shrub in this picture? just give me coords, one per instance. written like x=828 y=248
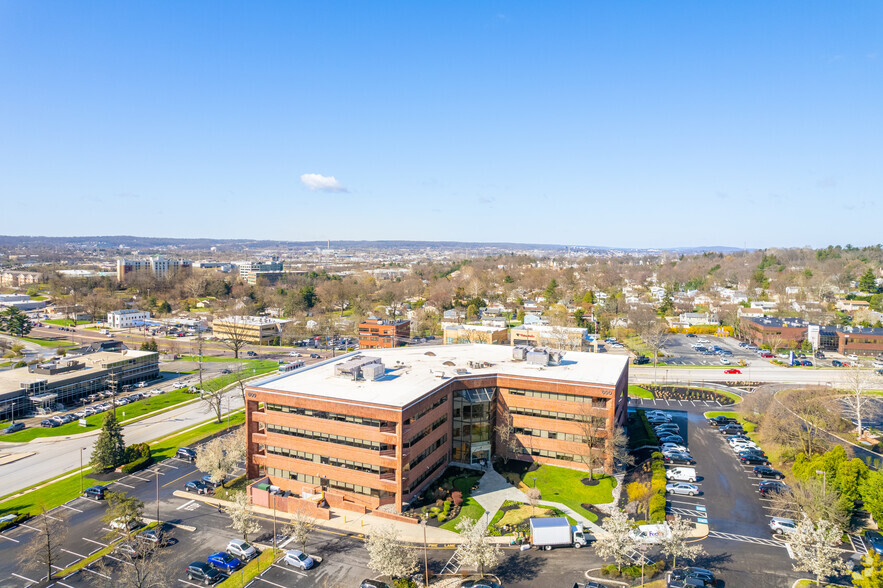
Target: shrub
x=447 y=507
x=136 y=465
x=404 y=583
x=613 y=571
x=442 y=517
x=657 y=501
x=440 y=503
x=457 y=498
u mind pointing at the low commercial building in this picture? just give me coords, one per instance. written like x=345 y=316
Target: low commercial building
x=570 y=338
x=377 y=333
x=863 y=341
x=250 y=271
x=375 y=429
x=252 y=329
x=460 y=334
x=17 y=279
x=127 y=318
x=775 y=332
x=21 y=302
x=61 y=383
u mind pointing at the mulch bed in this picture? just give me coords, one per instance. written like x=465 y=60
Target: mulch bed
x=684 y=393
x=590 y=481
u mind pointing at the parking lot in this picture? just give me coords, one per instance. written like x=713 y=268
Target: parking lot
x=679 y=350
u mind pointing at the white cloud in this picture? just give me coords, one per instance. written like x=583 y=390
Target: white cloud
x=318 y=182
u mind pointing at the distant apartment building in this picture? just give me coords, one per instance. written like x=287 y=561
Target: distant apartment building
x=158 y=266
x=691 y=319
x=376 y=333
x=253 y=329
x=250 y=271
x=127 y=318
x=16 y=279
x=460 y=334
x=570 y=338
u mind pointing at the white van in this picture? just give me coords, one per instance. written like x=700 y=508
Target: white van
x=650 y=533
x=681 y=474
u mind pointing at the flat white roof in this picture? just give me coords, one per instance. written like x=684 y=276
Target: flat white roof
x=250 y=320
x=411 y=373
x=474 y=328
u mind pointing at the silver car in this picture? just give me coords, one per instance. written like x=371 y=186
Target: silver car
x=682 y=488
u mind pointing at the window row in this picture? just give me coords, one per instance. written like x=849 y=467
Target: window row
x=596 y=402
x=328 y=483
x=330 y=416
x=558 y=416
x=426 y=452
x=549 y=454
x=325 y=460
x=549 y=435
x=316 y=435
x=435 y=425
x=427 y=410
x=428 y=473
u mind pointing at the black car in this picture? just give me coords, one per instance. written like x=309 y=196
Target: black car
x=641 y=360
x=705 y=576
x=764 y=471
x=49 y=423
x=732 y=430
x=197 y=486
x=875 y=540
x=373 y=584
x=769 y=487
x=315 y=356
x=679 y=459
x=753 y=451
x=96 y=492
x=664 y=438
x=186 y=453
x=720 y=421
x=752 y=459
x=202 y=572
x=207 y=480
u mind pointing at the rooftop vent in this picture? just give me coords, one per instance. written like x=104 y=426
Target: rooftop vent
x=449 y=363
x=437 y=373
x=430 y=353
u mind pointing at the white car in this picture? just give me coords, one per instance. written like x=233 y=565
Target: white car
x=782 y=526
x=725 y=361
x=673 y=447
x=241 y=549
x=682 y=488
x=294 y=354
x=743 y=446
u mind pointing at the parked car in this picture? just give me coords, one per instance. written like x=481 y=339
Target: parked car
x=769 y=487
x=128 y=550
x=673 y=447
x=763 y=471
x=251 y=354
x=720 y=421
x=153 y=536
x=186 y=453
x=297 y=558
x=49 y=423
x=224 y=561
x=752 y=451
x=96 y=492
x=202 y=572
x=207 y=480
x=782 y=526
x=678 y=458
x=806 y=363
x=242 y=549
x=315 y=356
x=373 y=584
x=837 y=363
x=641 y=360
x=692 y=577
x=197 y=486
x=658 y=420
x=740 y=437
x=670 y=429
x=731 y=430
x=483 y=583
x=749 y=459
x=13 y=428
x=671 y=439
x=875 y=540
x=682 y=488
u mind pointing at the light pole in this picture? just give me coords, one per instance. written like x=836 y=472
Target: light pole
x=425 y=557
x=157 y=495
x=82 y=449
x=274 y=522
x=824 y=481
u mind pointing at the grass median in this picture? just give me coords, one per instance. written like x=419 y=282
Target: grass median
x=47 y=342
x=247 y=573
x=639 y=392
x=747 y=425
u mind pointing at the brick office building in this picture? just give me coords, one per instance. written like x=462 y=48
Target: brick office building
x=767 y=330
x=375 y=333
x=368 y=430
x=867 y=341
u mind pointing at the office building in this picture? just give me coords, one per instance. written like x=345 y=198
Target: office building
x=158 y=266
x=127 y=318
x=250 y=271
x=569 y=338
x=259 y=330
x=459 y=334
x=376 y=333
x=375 y=429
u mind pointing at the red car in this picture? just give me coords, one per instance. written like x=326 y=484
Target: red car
x=767 y=355
x=732 y=371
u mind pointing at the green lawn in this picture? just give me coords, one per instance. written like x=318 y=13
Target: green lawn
x=38 y=298
x=470 y=507
x=246 y=574
x=258 y=367
x=565 y=486
x=47 y=342
x=639 y=392
x=637 y=345
x=124 y=413
x=63 y=322
x=60 y=491
x=747 y=425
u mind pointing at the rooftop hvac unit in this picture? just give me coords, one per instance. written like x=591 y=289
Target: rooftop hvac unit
x=519 y=352
x=437 y=373
x=373 y=371
x=537 y=357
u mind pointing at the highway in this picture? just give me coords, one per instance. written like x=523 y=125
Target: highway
x=758 y=370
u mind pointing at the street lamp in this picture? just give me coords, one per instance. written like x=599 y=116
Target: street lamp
x=425 y=557
x=274 y=522
x=157 y=496
x=824 y=481
x=82 y=449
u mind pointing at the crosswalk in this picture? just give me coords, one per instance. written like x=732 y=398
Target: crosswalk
x=746 y=539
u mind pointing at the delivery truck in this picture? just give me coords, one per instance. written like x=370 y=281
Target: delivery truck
x=651 y=533
x=557 y=532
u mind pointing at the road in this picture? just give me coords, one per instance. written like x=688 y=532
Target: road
x=757 y=370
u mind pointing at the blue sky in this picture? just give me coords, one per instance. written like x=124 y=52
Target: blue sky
x=620 y=123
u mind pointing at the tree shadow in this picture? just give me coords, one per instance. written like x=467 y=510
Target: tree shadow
x=519 y=566
x=713 y=561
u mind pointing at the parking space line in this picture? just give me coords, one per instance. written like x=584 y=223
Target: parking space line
x=290 y=569
x=63 y=584
x=186 y=504
x=10 y=538
x=95 y=542
x=190 y=583
x=72 y=508
x=23 y=578
x=89 y=499
x=121 y=484
x=137 y=478
x=73 y=553
x=29 y=527
x=271 y=583
x=46 y=514
x=91 y=571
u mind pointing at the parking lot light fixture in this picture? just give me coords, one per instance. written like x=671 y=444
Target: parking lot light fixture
x=824 y=481
x=82 y=449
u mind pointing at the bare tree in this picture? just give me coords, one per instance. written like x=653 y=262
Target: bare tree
x=300 y=528
x=242 y=518
x=506 y=434
x=616 y=541
x=533 y=497
x=214 y=459
x=656 y=335
x=797 y=420
x=815 y=499
x=388 y=556
x=214 y=400
x=675 y=544
x=815 y=550
x=234 y=333
x=43 y=551
x=594 y=437
x=619 y=447
x=858 y=384
x=145 y=567
x=478 y=549
x=123 y=512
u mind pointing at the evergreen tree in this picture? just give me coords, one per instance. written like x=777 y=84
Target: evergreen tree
x=15 y=322
x=164 y=307
x=551 y=291
x=110 y=449
x=149 y=345
x=868 y=282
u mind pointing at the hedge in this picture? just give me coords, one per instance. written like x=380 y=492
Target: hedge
x=633 y=571
x=139 y=458
x=19 y=518
x=648 y=428
x=138 y=464
x=657 y=508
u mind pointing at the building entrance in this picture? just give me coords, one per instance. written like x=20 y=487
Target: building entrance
x=473 y=425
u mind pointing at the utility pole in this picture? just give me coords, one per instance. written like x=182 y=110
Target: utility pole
x=274 y=523
x=157 y=495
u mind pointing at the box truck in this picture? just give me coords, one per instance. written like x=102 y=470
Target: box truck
x=557 y=532
x=651 y=533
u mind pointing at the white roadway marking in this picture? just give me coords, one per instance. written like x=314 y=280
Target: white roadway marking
x=186 y=504
x=270 y=583
x=137 y=478
x=121 y=484
x=51 y=517
x=89 y=499
x=29 y=527
x=63 y=584
x=74 y=553
x=290 y=569
x=91 y=571
x=197 y=585
x=95 y=542
x=10 y=538
x=23 y=578
x=72 y=508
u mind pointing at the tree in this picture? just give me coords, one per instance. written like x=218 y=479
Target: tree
x=814 y=548
x=242 y=520
x=164 y=307
x=15 y=322
x=234 y=332
x=214 y=400
x=149 y=345
x=619 y=447
x=146 y=567
x=872 y=494
x=300 y=528
x=594 y=436
x=676 y=544
x=868 y=282
x=616 y=541
x=43 y=551
x=551 y=291
x=389 y=557
x=506 y=434
x=858 y=383
x=533 y=497
x=872 y=574
x=123 y=509
x=478 y=550
x=815 y=498
x=213 y=459
x=110 y=449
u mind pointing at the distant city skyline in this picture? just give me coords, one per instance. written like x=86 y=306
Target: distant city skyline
x=618 y=125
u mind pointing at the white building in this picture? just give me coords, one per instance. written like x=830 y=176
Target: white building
x=126 y=318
